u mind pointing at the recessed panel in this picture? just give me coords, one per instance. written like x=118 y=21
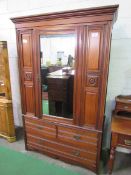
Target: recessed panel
x=91 y=108
x=29 y=97
x=27 y=50
x=93 y=50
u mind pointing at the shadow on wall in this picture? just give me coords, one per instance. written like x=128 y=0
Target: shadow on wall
x=110 y=104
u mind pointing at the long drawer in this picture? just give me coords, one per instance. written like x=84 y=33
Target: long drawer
x=61 y=150
x=78 y=137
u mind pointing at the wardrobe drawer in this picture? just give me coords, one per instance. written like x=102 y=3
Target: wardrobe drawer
x=124 y=140
x=39 y=128
x=42 y=132
x=62 y=149
x=123 y=106
x=78 y=137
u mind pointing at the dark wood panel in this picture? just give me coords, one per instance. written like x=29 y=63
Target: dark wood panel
x=94 y=39
x=91 y=108
x=29 y=97
x=27 y=50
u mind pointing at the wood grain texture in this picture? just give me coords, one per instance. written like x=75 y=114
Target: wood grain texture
x=27 y=50
x=94 y=50
x=91 y=108
x=76 y=140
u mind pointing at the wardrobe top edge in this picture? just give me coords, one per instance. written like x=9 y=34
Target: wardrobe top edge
x=112 y=9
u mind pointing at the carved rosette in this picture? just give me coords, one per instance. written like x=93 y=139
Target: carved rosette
x=92 y=81
x=28 y=76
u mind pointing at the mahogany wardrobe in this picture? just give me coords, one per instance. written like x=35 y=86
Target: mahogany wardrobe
x=63 y=63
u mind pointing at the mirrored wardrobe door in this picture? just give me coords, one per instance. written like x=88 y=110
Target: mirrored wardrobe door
x=57 y=61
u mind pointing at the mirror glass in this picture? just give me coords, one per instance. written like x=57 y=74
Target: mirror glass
x=57 y=54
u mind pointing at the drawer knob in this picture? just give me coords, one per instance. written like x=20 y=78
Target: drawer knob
x=77 y=137
x=39 y=127
x=76 y=153
x=41 y=141
x=128 y=142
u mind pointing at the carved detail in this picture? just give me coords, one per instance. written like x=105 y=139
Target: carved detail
x=111 y=161
x=92 y=81
x=28 y=76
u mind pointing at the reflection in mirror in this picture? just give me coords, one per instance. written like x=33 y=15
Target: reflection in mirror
x=57 y=74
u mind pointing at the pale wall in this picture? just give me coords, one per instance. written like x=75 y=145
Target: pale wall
x=120 y=63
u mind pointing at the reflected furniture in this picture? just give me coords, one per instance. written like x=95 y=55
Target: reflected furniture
x=75 y=140
x=7 y=128
x=120 y=127
x=60 y=93
x=44 y=73
x=123 y=104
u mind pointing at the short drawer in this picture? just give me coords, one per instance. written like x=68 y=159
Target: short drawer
x=124 y=140
x=123 y=106
x=84 y=139
x=62 y=149
x=40 y=128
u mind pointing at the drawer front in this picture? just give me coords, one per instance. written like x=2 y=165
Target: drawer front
x=39 y=128
x=123 y=106
x=77 y=137
x=57 y=89
x=62 y=149
x=124 y=140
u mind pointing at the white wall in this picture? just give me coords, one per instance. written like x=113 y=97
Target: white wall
x=120 y=63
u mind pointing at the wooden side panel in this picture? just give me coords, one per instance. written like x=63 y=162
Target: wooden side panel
x=26 y=64
x=91 y=108
x=94 y=50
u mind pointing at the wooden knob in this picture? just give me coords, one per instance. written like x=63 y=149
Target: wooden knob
x=76 y=153
x=41 y=141
x=77 y=137
x=39 y=127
